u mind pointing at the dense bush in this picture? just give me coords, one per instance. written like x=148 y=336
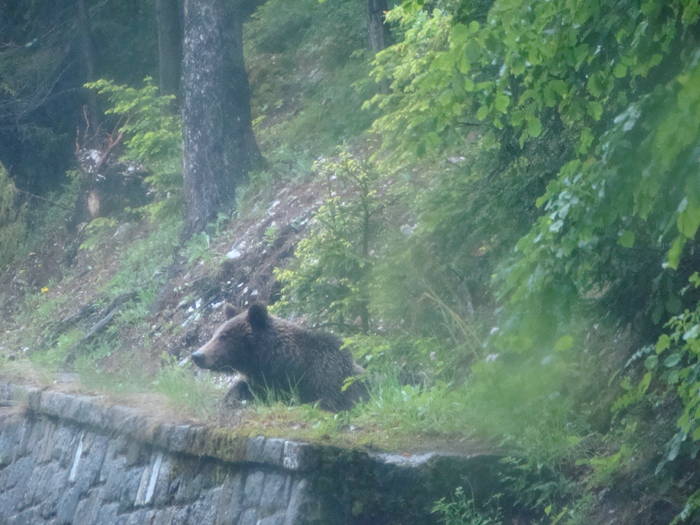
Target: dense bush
x=553 y=148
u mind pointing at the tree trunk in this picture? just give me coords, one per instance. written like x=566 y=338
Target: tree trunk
x=169 y=46
x=87 y=50
x=219 y=145
x=378 y=31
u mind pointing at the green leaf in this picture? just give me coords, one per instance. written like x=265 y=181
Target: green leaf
x=472 y=50
x=644 y=383
x=651 y=362
x=463 y=64
x=585 y=140
x=663 y=343
x=688 y=220
x=482 y=113
x=534 y=127
x=559 y=87
x=502 y=102
x=595 y=109
x=692 y=333
x=620 y=70
x=581 y=52
x=673 y=377
x=672 y=360
x=626 y=239
x=550 y=97
x=694 y=279
x=459 y=33
x=595 y=85
x=696 y=434
x=673 y=256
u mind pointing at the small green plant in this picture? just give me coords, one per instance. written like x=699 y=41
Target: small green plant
x=330 y=276
x=198 y=248
x=198 y=395
x=461 y=509
x=271 y=234
x=607 y=467
x=412 y=408
x=54 y=357
x=96 y=233
x=690 y=509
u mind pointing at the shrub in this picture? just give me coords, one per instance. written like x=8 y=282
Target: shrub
x=329 y=277
x=13 y=219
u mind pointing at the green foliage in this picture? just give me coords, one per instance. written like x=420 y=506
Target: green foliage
x=418 y=360
x=332 y=109
x=49 y=217
x=13 y=220
x=676 y=364
x=461 y=509
x=516 y=81
x=53 y=358
x=198 y=248
x=407 y=120
x=412 y=409
x=96 y=233
x=690 y=509
x=577 y=126
x=277 y=25
x=269 y=396
x=616 y=218
x=198 y=395
x=605 y=468
x=530 y=405
x=521 y=67
x=331 y=273
x=271 y=234
x=153 y=137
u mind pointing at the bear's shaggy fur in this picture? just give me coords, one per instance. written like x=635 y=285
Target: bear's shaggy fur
x=280 y=355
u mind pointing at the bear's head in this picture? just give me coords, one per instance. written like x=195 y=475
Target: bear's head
x=233 y=345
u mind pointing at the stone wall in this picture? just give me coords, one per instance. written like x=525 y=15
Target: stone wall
x=69 y=459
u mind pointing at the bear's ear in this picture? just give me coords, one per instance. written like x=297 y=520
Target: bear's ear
x=258 y=316
x=230 y=311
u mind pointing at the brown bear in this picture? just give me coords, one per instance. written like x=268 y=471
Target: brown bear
x=276 y=354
